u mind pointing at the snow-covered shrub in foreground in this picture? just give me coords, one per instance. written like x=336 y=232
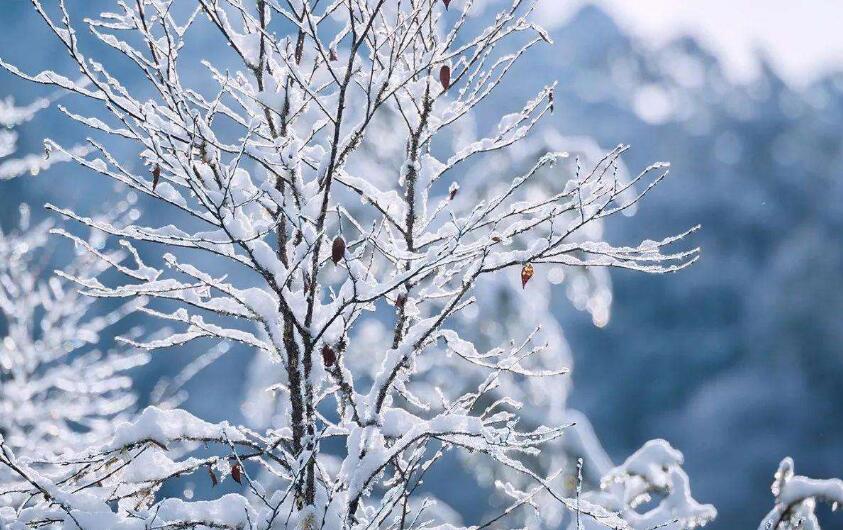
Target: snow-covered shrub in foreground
x=306 y=238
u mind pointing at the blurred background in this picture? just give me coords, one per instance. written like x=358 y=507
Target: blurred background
x=738 y=361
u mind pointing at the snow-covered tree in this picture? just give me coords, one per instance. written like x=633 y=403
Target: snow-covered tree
x=543 y=399
x=354 y=274
x=58 y=390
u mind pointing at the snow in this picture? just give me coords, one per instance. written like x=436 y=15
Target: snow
x=162 y=426
x=796 y=499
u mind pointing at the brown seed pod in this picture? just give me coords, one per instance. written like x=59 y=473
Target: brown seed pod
x=445 y=76
x=526 y=274
x=156 y=176
x=337 y=249
x=235 y=473
x=329 y=356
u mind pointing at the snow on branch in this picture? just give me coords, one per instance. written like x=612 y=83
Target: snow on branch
x=797 y=497
x=12 y=116
x=650 y=490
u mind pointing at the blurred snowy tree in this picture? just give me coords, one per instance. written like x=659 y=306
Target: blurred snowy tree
x=58 y=391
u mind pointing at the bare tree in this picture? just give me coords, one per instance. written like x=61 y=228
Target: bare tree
x=294 y=234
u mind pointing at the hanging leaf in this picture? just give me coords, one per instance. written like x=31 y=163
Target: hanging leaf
x=329 y=356
x=445 y=76
x=214 y=480
x=526 y=274
x=299 y=47
x=235 y=473
x=156 y=175
x=338 y=249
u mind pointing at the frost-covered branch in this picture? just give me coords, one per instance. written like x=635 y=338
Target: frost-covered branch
x=11 y=117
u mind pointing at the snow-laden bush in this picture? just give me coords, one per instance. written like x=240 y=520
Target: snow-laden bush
x=355 y=274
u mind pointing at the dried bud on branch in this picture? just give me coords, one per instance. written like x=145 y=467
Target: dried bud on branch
x=452 y=190
x=337 y=249
x=445 y=76
x=156 y=176
x=329 y=356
